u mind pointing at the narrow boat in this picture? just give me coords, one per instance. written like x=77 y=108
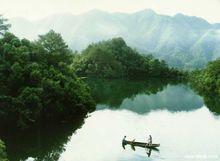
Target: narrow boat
x=140 y=144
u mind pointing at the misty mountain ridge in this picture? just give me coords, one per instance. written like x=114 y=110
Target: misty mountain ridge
x=183 y=41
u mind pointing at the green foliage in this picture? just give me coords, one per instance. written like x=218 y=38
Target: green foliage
x=3 y=155
x=55 y=48
x=36 y=82
x=208 y=80
x=114 y=59
x=207 y=83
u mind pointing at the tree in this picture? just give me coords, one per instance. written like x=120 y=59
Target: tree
x=54 y=45
x=53 y=42
x=3 y=27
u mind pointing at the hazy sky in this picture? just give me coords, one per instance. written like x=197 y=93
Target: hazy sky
x=35 y=9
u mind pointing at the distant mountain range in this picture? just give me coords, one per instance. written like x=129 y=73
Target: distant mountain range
x=182 y=41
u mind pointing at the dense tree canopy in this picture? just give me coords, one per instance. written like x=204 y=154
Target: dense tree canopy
x=207 y=83
x=114 y=59
x=37 y=83
x=207 y=80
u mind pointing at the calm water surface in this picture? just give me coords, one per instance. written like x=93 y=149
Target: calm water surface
x=172 y=113
x=182 y=135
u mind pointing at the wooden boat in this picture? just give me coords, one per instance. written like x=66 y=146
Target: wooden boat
x=140 y=144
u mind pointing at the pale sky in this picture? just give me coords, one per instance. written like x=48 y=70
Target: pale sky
x=36 y=9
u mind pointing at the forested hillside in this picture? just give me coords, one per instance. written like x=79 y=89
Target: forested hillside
x=114 y=59
x=208 y=80
x=182 y=41
x=207 y=83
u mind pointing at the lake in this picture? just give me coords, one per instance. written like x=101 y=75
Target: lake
x=176 y=117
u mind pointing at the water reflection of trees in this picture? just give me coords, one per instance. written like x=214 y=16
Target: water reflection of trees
x=211 y=99
x=144 y=96
x=213 y=103
x=113 y=92
x=44 y=142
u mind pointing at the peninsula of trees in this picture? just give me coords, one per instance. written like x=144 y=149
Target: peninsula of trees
x=114 y=59
x=207 y=83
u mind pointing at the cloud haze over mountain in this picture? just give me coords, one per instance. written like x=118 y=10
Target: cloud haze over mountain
x=183 y=41
x=35 y=9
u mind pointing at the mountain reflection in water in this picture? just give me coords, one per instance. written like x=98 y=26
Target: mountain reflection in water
x=144 y=96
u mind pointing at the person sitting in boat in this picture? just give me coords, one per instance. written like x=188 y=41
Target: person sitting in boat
x=133 y=141
x=150 y=139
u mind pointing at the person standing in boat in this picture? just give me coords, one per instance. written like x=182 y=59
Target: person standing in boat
x=150 y=139
x=124 y=140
